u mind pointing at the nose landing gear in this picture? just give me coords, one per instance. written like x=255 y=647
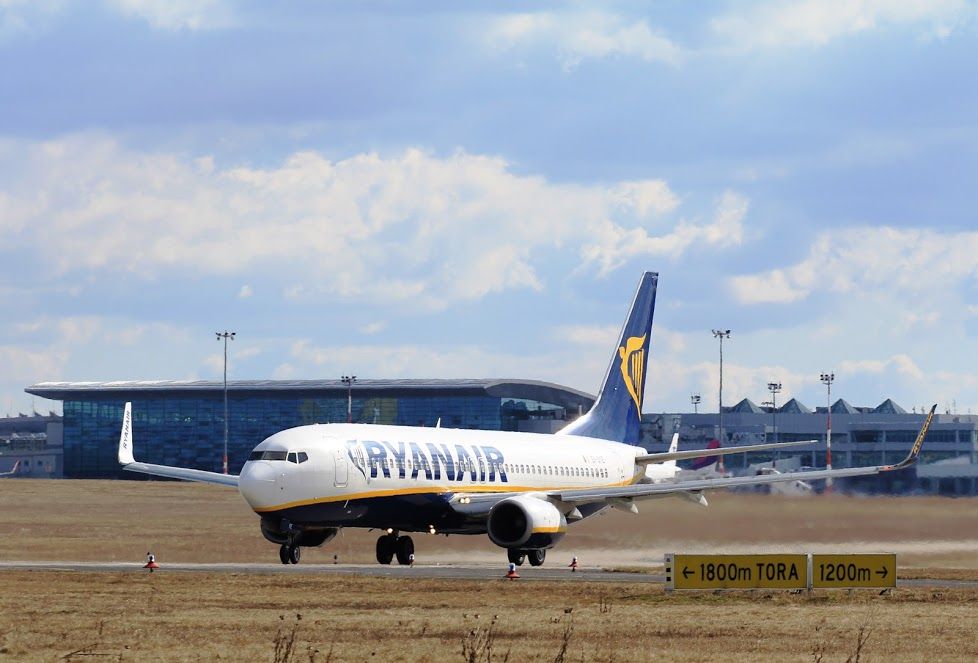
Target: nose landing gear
x=391 y=545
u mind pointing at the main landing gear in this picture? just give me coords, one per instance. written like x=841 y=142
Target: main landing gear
x=391 y=545
x=289 y=554
x=535 y=555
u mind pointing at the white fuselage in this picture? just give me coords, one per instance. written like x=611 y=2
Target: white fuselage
x=334 y=464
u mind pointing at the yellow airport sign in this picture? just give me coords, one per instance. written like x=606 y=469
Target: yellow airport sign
x=860 y=570
x=789 y=571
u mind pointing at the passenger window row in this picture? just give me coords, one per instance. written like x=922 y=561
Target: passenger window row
x=557 y=470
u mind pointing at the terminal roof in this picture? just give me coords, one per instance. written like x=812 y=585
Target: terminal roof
x=546 y=392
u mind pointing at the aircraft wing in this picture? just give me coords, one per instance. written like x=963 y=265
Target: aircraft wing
x=646 y=459
x=129 y=463
x=653 y=490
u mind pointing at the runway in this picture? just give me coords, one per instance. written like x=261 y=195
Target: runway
x=458 y=572
x=446 y=571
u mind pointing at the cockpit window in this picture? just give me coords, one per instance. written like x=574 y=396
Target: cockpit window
x=291 y=456
x=267 y=455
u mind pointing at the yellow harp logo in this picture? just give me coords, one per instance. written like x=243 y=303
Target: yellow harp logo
x=632 y=366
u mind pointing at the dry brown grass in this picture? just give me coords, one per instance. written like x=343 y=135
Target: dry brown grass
x=194 y=616
x=122 y=520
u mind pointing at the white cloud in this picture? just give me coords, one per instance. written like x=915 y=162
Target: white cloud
x=900 y=364
x=561 y=364
x=374 y=327
x=23 y=365
x=816 y=22
x=672 y=379
x=409 y=227
x=594 y=335
x=25 y=16
x=614 y=245
x=647 y=197
x=245 y=292
x=576 y=36
x=860 y=259
x=177 y=14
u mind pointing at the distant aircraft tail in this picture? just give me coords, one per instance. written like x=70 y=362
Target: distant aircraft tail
x=673 y=448
x=706 y=461
x=617 y=414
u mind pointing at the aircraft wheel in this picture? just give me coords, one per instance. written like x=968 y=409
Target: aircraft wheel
x=294 y=554
x=516 y=556
x=537 y=556
x=283 y=554
x=404 y=549
x=385 y=549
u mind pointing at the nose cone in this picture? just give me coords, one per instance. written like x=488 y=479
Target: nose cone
x=256 y=483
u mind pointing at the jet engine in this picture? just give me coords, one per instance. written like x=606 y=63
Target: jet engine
x=525 y=522
x=277 y=532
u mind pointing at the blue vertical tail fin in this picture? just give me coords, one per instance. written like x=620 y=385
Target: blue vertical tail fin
x=617 y=414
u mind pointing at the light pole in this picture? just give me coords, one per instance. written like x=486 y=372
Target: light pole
x=225 y=335
x=721 y=334
x=348 y=380
x=775 y=389
x=695 y=400
x=827 y=379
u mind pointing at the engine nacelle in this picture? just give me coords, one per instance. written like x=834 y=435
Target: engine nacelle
x=525 y=522
x=307 y=538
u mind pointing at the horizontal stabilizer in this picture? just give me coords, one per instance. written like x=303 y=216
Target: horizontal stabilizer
x=128 y=461
x=184 y=473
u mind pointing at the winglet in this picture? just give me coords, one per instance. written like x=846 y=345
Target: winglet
x=125 y=437
x=918 y=443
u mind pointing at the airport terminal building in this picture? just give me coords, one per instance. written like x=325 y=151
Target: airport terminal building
x=182 y=423
x=860 y=436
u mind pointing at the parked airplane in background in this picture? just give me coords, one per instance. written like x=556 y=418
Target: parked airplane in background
x=796 y=488
x=13 y=470
x=708 y=467
x=522 y=489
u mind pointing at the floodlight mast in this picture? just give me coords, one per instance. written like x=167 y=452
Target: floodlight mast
x=225 y=335
x=827 y=379
x=721 y=334
x=695 y=400
x=775 y=389
x=348 y=380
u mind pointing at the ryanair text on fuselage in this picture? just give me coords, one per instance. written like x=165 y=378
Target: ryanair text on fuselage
x=480 y=462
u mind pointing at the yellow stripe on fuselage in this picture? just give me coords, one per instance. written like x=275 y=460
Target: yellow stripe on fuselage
x=438 y=490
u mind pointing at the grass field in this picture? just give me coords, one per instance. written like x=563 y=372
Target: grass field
x=50 y=615
x=122 y=520
x=197 y=616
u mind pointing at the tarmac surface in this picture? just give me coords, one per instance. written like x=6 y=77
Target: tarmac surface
x=459 y=572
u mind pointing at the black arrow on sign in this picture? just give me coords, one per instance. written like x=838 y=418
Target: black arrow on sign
x=687 y=572
x=882 y=573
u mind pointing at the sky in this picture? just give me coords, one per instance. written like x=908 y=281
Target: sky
x=446 y=190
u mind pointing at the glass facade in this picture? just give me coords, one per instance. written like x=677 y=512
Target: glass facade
x=187 y=430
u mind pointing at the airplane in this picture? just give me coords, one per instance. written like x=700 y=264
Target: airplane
x=520 y=489
x=796 y=488
x=12 y=472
